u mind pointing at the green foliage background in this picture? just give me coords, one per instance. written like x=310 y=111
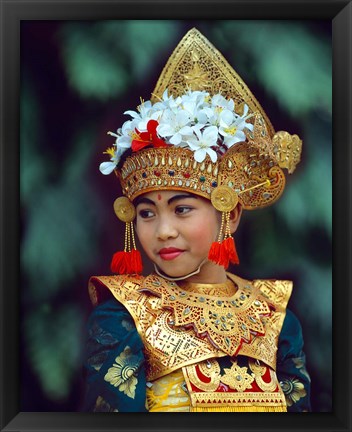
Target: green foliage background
x=77 y=79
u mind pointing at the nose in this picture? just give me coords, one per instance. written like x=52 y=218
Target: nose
x=166 y=229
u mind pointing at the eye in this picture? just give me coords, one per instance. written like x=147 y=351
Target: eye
x=181 y=210
x=146 y=214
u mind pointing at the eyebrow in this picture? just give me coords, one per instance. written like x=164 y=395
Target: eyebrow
x=144 y=200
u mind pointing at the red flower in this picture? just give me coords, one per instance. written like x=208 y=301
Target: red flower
x=149 y=138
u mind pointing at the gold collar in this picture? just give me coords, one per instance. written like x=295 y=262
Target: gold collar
x=225 y=289
x=226 y=320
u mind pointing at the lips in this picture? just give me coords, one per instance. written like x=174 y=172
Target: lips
x=170 y=253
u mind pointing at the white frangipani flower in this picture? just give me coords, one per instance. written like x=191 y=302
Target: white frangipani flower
x=195 y=120
x=214 y=115
x=108 y=167
x=142 y=125
x=232 y=128
x=175 y=126
x=220 y=101
x=202 y=142
x=125 y=135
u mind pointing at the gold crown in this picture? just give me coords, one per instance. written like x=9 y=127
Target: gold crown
x=251 y=169
x=255 y=178
x=196 y=64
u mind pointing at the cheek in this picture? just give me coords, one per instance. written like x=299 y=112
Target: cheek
x=143 y=232
x=205 y=230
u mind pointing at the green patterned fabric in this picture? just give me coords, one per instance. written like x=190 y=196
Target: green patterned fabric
x=115 y=377
x=114 y=360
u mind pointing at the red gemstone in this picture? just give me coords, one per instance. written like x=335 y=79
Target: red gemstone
x=186 y=175
x=157 y=173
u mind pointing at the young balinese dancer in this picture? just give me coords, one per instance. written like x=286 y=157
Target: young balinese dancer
x=191 y=336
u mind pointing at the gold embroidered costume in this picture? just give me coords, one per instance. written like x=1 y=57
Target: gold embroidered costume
x=188 y=329
x=158 y=344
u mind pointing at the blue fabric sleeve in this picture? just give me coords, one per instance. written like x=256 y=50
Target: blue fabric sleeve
x=291 y=366
x=114 y=361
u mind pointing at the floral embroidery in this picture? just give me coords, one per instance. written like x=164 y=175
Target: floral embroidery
x=97 y=356
x=96 y=361
x=127 y=325
x=102 y=406
x=294 y=390
x=121 y=374
x=299 y=362
x=101 y=336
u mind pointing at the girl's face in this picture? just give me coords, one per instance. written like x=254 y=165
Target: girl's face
x=176 y=230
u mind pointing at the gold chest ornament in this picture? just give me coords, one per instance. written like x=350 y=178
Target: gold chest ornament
x=185 y=327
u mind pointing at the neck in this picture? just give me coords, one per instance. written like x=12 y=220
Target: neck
x=206 y=273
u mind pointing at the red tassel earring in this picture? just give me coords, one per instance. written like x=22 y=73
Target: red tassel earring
x=223 y=251
x=128 y=261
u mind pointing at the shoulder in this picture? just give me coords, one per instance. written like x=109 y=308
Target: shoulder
x=101 y=288
x=277 y=292
x=109 y=315
x=291 y=328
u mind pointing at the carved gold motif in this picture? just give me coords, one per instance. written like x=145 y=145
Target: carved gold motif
x=224 y=198
x=259 y=370
x=196 y=63
x=237 y=378
x=288 y=150
x=169 y=345
x=124 y=209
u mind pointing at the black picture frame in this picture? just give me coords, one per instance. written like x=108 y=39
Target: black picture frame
x=12 y=12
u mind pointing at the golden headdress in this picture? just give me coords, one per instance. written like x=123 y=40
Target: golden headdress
x=243 y=164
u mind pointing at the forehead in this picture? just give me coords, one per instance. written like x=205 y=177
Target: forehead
x=165 y=195
x=168 y=196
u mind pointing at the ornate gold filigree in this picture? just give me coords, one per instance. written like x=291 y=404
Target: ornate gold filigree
x=226 y=289
x=224 y=198
x=261 y=370
x=124 y=209
x=161 y=323
x=288 y=150
x=237 y=377
x=197 y=64
x=240 y=399
x=251 y=170
x=210 y=369
x=248 y=172
x=215 y=387
x=228 y=322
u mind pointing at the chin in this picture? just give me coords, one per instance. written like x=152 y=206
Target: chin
x=173 y=270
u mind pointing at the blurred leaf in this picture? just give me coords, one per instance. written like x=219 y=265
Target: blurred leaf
x=92 y=68
x=145 y=40
x=62 y=224
x=292 y=63
x=53 y=339
x=314 y=296
x=307 y=200
x=33 y=167
x=102 y=59
x=306 y=87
